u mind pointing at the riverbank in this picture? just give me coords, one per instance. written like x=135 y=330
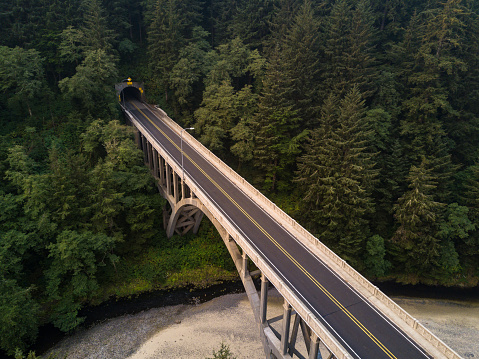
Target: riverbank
x=195 y=330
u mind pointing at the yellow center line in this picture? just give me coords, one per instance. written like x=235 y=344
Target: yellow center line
x=289 y=256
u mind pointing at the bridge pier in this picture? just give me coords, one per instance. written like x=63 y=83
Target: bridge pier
x=286 y=325
x=264 y=300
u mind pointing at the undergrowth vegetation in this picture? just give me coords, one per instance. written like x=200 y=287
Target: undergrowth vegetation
x=192 y=260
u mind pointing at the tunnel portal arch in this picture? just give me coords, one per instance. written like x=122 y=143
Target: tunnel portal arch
x=130 y=89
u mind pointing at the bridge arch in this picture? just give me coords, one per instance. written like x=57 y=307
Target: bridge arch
x=185 y=215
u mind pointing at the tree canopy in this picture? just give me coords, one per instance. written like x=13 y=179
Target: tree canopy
x=359 y=118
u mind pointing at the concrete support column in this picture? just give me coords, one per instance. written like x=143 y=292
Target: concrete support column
x=137 y=138
x=176 y=190
x=149 y=148
x=155 y=163
x=314 y=347
x=264 y=300
x=306 y=334
x=184 y=189
x=244 y=265
x=168 y=179
x=294 y=334
x=198 y=218
x=144 y=143
x=286 y=325
x=162 y=170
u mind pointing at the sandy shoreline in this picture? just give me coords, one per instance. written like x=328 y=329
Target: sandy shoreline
x=194 y=331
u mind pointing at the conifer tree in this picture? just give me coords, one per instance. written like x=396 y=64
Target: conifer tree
x=470 y=248
x=301 y=64
x=220 y=14
x=97 y=35
x=348 y=49
x=165 y=38
x=283 y=15
x=171 y=24
x=250 y=21
x=67 y=181
x=427 y=68
x=418 y=216
x=19 y=314
x=276 y=127
x=226 y=99
x=462 y=85
x=93 y=83
x=188 y=72
x=289 y=94
x=337 y=174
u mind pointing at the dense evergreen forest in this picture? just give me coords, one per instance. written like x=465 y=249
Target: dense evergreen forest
x=360 y=118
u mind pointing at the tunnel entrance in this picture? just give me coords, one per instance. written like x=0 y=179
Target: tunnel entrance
x=130 y=93
x=128 y=89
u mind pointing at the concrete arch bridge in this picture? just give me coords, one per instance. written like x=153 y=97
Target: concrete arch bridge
x=339 y=313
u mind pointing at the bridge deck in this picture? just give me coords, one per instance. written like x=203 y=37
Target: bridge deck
x=361 y=329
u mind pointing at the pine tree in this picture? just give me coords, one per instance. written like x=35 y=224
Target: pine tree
x=337 y=174
x=276 y=127
x=165 y=38
x=349 y=56
x=250 y=21
x=425 y=71
x=96 y=34
x=283 y=15
x=469 y=250
x=227 y=100
x=418 y=216
x=301 y=65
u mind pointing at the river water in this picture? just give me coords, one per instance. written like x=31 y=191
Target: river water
x=195 y=330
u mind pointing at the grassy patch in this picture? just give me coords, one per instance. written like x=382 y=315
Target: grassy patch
x=193 y=260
